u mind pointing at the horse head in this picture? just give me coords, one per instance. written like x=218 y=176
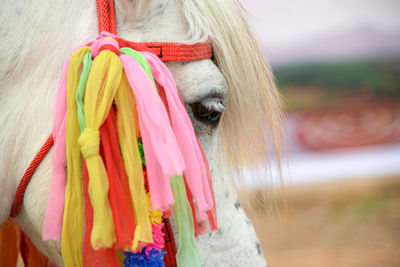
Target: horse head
x=231 y=100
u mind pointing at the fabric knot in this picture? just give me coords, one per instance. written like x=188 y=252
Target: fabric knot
x=104 y=43
x=89 y=142
x=109 y=48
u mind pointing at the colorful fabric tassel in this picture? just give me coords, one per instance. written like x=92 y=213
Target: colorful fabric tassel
x=132 y=152
x=195 y=172
x=163 y=158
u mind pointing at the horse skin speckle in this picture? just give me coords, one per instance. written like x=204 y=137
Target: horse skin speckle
x=258 y=246
x=219 y=231
x=237 y=205
x=226 y=194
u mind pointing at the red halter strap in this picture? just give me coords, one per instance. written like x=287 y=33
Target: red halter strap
x=172 y=51
x=165 y=51
x=106 y=16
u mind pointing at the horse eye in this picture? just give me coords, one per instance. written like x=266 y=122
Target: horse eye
x=208 y=111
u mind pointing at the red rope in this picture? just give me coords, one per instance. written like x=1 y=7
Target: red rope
x=106 y=16
x=19 y=195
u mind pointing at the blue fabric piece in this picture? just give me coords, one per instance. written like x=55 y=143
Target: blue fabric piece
x=154 y=258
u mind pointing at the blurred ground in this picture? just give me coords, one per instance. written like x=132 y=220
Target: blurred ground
x=344 y=223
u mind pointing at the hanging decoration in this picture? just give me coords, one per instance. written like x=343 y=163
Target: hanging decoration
x=122 y=130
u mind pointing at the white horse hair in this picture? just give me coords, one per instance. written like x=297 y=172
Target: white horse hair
x=36 y=39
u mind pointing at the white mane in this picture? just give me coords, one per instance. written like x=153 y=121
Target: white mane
x=253 y=116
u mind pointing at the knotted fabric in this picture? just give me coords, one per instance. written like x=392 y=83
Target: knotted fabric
x=89 y=142
x=101 y=87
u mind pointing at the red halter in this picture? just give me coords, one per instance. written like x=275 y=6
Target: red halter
x=166 y=52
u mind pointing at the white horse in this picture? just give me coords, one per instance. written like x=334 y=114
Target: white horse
x=36 y=38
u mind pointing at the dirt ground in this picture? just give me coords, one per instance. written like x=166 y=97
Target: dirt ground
x=347 y=224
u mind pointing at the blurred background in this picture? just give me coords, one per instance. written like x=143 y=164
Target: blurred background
x=337 y=65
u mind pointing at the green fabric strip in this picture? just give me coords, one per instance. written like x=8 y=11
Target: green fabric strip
x=188 y=254
x=141 y=151
x=80 y=91
x=140 y=59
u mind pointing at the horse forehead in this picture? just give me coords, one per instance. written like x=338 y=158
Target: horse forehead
x=155 y=21
x=194 y=79
x=163 y=21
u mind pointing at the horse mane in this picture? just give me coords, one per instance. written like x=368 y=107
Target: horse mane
x=251 y=127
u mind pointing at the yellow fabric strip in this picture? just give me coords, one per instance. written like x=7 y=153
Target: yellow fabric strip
x=127 y=130
x=72 y=229
x=101 y=87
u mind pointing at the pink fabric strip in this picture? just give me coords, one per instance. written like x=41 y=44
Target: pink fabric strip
x=55 y=205
x=195 y=172
x=163 y=158
x=52 y=225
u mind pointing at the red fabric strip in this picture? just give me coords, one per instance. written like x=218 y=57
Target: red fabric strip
x=119 y=195
x=212 y=214
x=190 y=199
x=110 y=48
x=102 y=257
x=90 y=257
